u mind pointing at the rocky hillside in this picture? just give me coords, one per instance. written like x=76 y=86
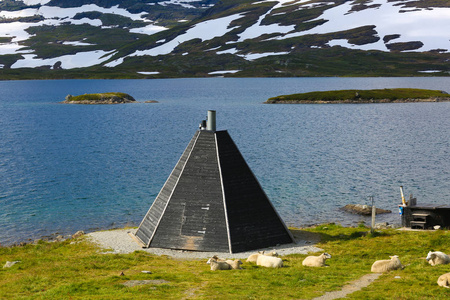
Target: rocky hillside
x=187 y=38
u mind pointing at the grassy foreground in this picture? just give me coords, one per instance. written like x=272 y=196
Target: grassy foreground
x=355 y=96
x=76 y=269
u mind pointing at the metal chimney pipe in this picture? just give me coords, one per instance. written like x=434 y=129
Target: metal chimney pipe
x=211 y=121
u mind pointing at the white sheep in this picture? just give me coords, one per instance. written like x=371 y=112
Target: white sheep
x=216 y=258
x=219 y=265
x=271 y=253
x=269 y=261
x=254 y=257
x=316 y=261
x=235 y=264
x=444 y=280
x=437 y=258
x=386 y=265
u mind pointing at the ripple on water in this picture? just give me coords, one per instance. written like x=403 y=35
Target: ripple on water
x=69 y=168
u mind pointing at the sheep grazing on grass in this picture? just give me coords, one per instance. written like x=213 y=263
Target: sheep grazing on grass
x=381 y=266
x=269 y=261
x=254 y=257
x=437 y=258
x=444 y=280
x=316 y=261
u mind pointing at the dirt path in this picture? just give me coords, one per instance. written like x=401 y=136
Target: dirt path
x=351 y=287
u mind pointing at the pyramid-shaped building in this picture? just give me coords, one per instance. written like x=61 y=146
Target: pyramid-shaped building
x=212 y=201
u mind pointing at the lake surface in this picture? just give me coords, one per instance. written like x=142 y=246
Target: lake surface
x=65 y=168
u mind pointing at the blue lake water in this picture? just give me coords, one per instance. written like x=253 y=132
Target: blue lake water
x=65 y=168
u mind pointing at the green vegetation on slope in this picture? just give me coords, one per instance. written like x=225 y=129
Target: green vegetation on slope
x=79 y=270
x=299 y=56
x=48 y=41
x=307 y=62
x=385 y=95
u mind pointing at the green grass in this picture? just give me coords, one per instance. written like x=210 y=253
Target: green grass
x=362 y=95
x=67 y=270
x=99 y=96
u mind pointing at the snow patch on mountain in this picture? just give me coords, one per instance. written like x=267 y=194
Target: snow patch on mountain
x=114 y=63
x=77 y=43
x=148 y=73
x=79 y=60
x=55 y=16
x=16 y=31
x=199 y=31
x=430 y=26
x=148 y=30
x=55 y=12
x=49 y=12
x=430 y=71
x=257 y=29
x=250 y=56
x=183 y=3
x=253 y=56
x=34 y=2
x=228 y=51
x=223 y=72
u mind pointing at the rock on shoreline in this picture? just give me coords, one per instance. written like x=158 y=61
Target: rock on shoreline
x=365 y=210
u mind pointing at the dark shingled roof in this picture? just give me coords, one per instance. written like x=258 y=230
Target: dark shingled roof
x=212 y=202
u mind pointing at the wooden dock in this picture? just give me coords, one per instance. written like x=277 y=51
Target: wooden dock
x=425 y=216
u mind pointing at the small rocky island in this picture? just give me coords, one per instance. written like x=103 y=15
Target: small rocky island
x=400 y=95
x=100 y=98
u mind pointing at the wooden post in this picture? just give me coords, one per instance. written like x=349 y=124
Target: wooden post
x=403 y=197
x=372 y=228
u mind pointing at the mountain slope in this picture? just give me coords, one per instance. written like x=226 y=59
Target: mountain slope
x=184 y=38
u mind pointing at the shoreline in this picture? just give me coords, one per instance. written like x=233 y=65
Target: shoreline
x=120 y=241
x=106 y=239
x=351 y=220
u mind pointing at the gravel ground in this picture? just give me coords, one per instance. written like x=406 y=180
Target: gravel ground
x=119 y=241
